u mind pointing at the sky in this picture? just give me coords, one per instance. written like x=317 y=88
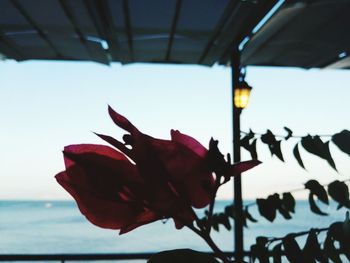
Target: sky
x=47 y=105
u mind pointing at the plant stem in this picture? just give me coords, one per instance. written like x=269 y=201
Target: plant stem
x=210 y=243
x=211 y=207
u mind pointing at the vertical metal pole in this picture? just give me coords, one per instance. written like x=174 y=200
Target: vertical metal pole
x=238 y=204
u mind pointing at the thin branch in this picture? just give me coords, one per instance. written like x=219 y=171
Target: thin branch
x=218 y=253
x=211 y=206
x=298 y=234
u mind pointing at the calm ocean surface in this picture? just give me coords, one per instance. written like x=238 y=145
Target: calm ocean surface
x=58 y=227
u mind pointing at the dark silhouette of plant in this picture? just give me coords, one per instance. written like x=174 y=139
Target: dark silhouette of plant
x=145 y=179
x=312 y=144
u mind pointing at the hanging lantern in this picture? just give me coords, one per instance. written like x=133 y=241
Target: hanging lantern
x=241 y=96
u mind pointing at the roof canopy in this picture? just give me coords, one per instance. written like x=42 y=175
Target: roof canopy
x=308 y=33
x=168 y=31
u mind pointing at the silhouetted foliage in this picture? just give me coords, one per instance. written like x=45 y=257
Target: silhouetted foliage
x=312 y=144
x=338 y=235
x=284 y=204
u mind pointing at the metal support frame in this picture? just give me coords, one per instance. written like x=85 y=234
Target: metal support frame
x=238 y=203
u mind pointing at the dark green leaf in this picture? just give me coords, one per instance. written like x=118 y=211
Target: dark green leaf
x=288 y=202
x=277 y=203
x=250 y=147
x=297 y=156
x=312 y=249
x=183 y=256
x=345 y=242
x=330 y=251
x=339 y=191
x=314 y=145
x=223 y=220
x=317 y=189
x=290 y=133
x=260 y=250
x=215 y=222
x=313 y=207
x=230 y=211
x=266 y=209
x=249 y=216
x=277 y=253
x=292 y=249
x=252 y=150
x=274 y=145
x=268 y=138
x=342 y=140
x=336 y=231
x=329 y=156
x=275 y=149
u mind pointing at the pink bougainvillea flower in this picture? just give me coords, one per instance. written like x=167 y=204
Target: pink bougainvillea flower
x=145 y=179
x=106 y=186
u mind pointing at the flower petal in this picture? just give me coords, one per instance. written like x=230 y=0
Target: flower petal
x=100 y=212
x=241 y=167
x=117 y=144
x=189 y=142
x=143 y=218
x=121 y=121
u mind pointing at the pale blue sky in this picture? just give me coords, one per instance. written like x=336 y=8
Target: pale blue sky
x=47 y=105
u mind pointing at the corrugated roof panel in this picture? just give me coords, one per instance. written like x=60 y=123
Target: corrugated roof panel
x=196 y=22
x=48 y=15
x=82 y=17
x=71 y=47
x=32 y=46
x=10 y=19
x=119 y=34
x=150 y=33
x=302 y=34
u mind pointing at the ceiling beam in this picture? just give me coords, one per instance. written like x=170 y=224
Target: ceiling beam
x=218 y=29
x=128 y=28
x=40 y=32
x=173 y=29
x=81 y=36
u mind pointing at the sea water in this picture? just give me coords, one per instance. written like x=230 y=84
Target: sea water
x=58 y=227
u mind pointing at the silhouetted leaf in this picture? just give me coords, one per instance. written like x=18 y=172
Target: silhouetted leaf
x=329 y=156
x=275 y=149
x=292 y=249
x=252 y=150
x=342 y=140
x=223 y=220
x=288 y=202
x=215 y=222
x=330 y=251
x=274 y=145
x=230 y=211
x=249 y=216
x=246 y=138
x=289 y=131
x=260 y=250
x=313 y=207
x=317 y=189
x=277 y=203
x=266 y=209
x=345 y=242
x=268 y=137
x=250 y=146
x=297 y=156
x=183 y=256
x=277 y=253
x=339 y=191
x=312 y=249
x=314 y=145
